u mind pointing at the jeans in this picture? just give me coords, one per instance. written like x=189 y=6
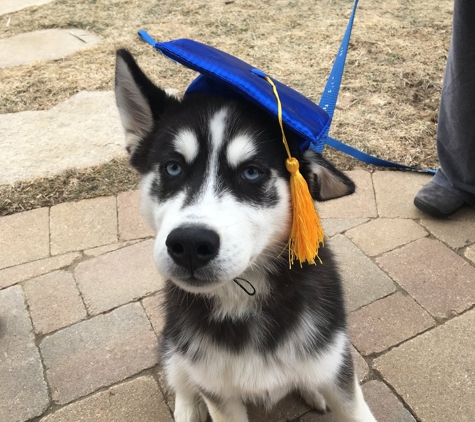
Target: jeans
x=456 y=127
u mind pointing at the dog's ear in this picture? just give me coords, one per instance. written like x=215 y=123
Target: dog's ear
x=140 y=102
x=324 y=180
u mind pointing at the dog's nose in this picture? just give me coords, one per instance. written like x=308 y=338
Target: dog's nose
x=192 y=247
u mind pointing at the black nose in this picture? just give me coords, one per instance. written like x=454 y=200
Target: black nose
x=192 y=247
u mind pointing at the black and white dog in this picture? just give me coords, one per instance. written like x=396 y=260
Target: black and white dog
x=215 y=189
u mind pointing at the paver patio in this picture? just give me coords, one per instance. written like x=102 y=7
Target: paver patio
x=80 y=314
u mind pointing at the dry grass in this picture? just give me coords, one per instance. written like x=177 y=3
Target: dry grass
x=107 y=179
x=390 y=95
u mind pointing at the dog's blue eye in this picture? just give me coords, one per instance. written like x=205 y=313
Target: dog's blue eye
x=251 y=173
x=173 y=169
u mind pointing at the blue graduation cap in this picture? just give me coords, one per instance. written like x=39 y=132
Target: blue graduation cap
x=230 y=77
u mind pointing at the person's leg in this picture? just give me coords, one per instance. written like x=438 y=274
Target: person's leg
x=454 y=182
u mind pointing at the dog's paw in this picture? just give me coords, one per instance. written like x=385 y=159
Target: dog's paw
x=315 y=400
x=196 y=412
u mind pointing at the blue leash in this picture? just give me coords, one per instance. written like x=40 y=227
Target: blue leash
x=328 y=103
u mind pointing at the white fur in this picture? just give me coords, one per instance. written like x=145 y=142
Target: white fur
x=239 y=150
x=186 y=144
x=148 y=206
x=217 y=127
x=134 y=110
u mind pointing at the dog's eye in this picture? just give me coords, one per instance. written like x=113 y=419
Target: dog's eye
x=252 y=173
x=173 y=169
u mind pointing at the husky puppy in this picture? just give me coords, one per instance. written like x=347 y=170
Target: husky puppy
x=215 y=189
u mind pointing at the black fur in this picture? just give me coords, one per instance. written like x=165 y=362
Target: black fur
x=313 y=288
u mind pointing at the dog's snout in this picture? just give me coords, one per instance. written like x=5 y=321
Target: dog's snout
x=192 y=247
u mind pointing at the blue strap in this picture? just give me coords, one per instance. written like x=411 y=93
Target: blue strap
x=146 y=37
x=328 y=103
x=332 y=88
x=370 y=159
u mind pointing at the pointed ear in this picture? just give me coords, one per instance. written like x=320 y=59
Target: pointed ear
x=324 y=180
x=140 y=102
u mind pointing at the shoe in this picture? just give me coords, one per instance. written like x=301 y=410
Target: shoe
x=437 y=201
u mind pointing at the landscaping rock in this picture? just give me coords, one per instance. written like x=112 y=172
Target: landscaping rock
x=81 y=132
x=47 y=44
x=10 y=6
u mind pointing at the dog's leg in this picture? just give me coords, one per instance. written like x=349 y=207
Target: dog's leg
x=338 y=385
x=315 y=400
x=347 y=405
x=189 y=406
x=230 y=410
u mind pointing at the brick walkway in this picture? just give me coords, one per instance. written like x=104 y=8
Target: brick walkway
x=80 y=319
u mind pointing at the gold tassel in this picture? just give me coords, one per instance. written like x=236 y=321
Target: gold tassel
x=306 y=233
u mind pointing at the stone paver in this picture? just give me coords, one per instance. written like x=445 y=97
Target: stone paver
x=470 y=253
x=387 y=322
x=139 y=400
x=54 y=301
x=434 y=373
x=95 y=312
x=363 y=280
x=153 y=308
x=361 y=367
x=131 y=223
x=98 y=352
x=359 y=205
x=333 y=226
x=30 y=139
x=24 y=237
x=23 y=391
x=395 y=191
x=101 y=250
x=46 y=44
x=10 y=6
x=118 y=277
x=384 y=404
x=13 y=275
x=435 y=276
x=84 y=224
x=382 y=235
x=456 y=234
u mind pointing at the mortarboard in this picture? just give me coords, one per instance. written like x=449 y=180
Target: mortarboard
x=228 y=76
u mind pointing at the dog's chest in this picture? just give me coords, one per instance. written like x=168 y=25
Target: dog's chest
x=259 y=375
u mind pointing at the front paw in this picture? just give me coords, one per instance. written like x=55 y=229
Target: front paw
x=190 y=412
x=315 y=400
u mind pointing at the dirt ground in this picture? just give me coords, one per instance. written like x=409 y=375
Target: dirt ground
x=391 y=87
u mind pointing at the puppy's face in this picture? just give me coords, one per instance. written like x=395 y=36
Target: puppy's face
x=215 y=195
x=214 y=183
